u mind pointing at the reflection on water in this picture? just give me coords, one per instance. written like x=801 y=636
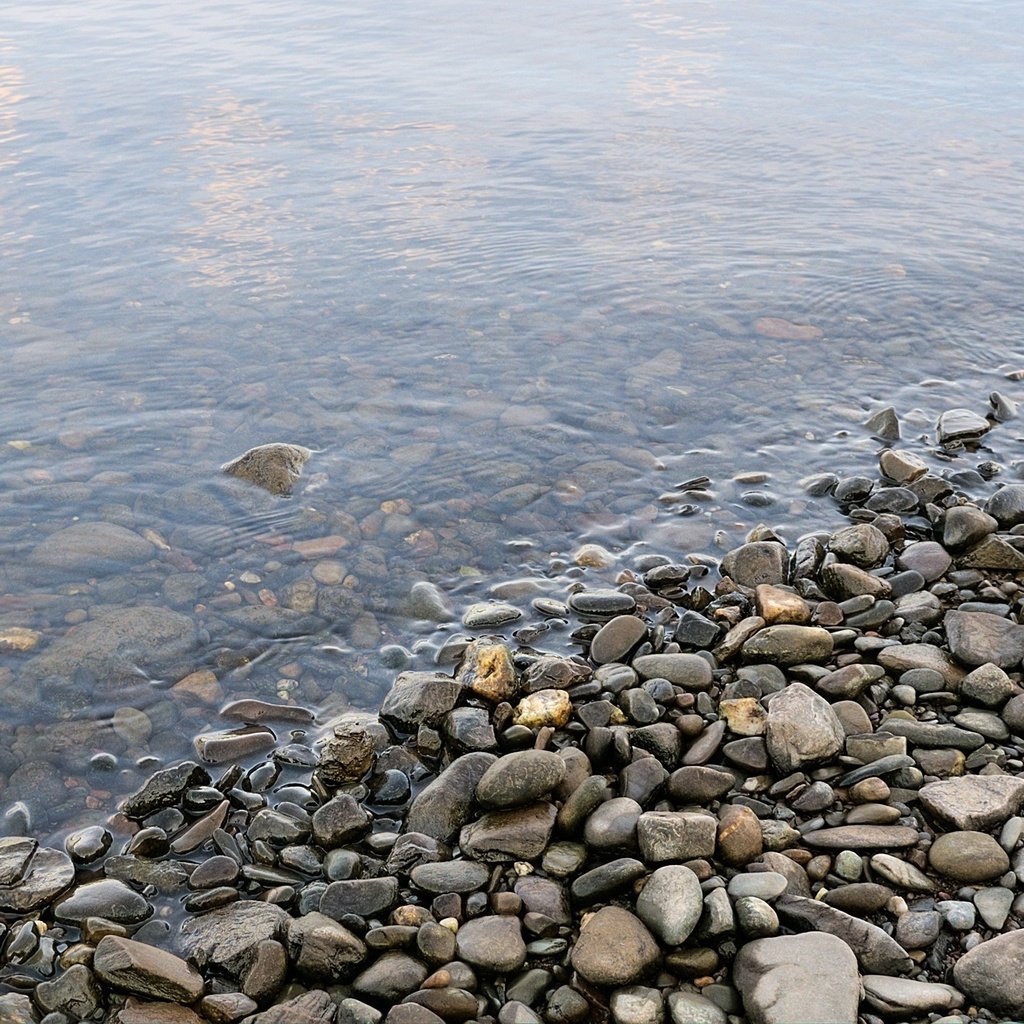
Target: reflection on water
x=512 y=274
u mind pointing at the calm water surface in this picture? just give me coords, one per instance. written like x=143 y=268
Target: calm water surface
x=512 y=270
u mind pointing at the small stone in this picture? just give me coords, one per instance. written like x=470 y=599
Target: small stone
x=756 y=563
x=994 y=905
x=902 y=467
x=744 y=715
x=520 y=778
x=488 y=614
x=777 y=606
x=961 y=425
x=690 y=671
x=862 y=544
x=616 y=638
x=788 y=645
x=488 y=671
x=545 y=707
x=989 y=685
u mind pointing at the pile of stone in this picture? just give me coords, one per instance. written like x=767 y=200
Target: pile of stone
x=788 y=790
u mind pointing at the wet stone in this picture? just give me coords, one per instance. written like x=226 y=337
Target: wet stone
x=601 y=603
x=145 y=970
x=687 y=670
x=756 y=563
x=107 y=898
x=493 y=944
x=363 y=897
x=520 y=778
x=616 y=638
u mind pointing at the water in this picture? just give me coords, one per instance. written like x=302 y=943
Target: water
x=512 y=271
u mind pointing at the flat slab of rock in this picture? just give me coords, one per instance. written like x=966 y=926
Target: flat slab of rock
x=92 y=548
x=976 y=638
x=226 y=939
x=33 y=874
x=876 y=952
x=990 y=975
x=798 y=979
x=974 y=802
x=146 y=971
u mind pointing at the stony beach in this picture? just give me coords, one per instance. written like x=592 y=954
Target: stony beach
x=783 y=787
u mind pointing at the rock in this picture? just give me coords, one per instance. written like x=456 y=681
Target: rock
x=488 y=614
x=675 y=836
x=842 y=581
x=745 y=716
x=739 y=835
x=968 y=856
x=233 y=744
x=877 y=952
x=884 y=424
x=802 y=728
x=990 y=975
x=791 y=979
x=901 y=873
x=442 y=808
x=777 y=606
x=91 y=548
x=461 y=876
x=961 y=425
x=756 y=563
x=670 y=903
x=989 y=685
x=901 y=658
x=635 y=1004
x=687 y=670
x=788 y=645
x=492 y=943
x=106 y=898
x=901 y=467
x=862 y=544
x=545 y=707
x=692 y=1008
x=487 y=670
x=926 y=557
x=992 y=553
x=314 y=1007
x=518 y=834
x=74 y=993
x=31 y=875
x=361 y=897
x=275 y=467
x=765 y=885
x=862 y=837
x=420 y=698
x=978 y=638
x=227 y=940
x=616 y=638
x=614 y=948
x=323 y=950
x=165 y=788
x=146 y=971
x=520 y=778
x=1006 y=506
x=903 y=998
x=389 y=979
x=966 y=525
x=427 y=602
x=994 y=905
x=974 y=802
x=341 y=820
x=699 y=784
x=931 y=734
x=348 y=755
x=117 y=644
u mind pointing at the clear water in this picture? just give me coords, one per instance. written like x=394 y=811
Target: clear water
x=507 y=268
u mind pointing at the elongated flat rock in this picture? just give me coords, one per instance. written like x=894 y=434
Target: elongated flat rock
x=862 y=837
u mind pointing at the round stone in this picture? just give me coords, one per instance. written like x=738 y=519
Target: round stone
x=614 y=948
x=968 y=856
x=493 y=943
x=616 y=638
x=520 y=778
x=671 y=902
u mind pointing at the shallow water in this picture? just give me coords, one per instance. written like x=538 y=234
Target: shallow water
x=513 y=272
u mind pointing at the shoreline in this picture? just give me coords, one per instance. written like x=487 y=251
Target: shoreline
x=806 y=765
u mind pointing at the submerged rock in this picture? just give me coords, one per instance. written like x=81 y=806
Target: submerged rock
x=274 y=467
